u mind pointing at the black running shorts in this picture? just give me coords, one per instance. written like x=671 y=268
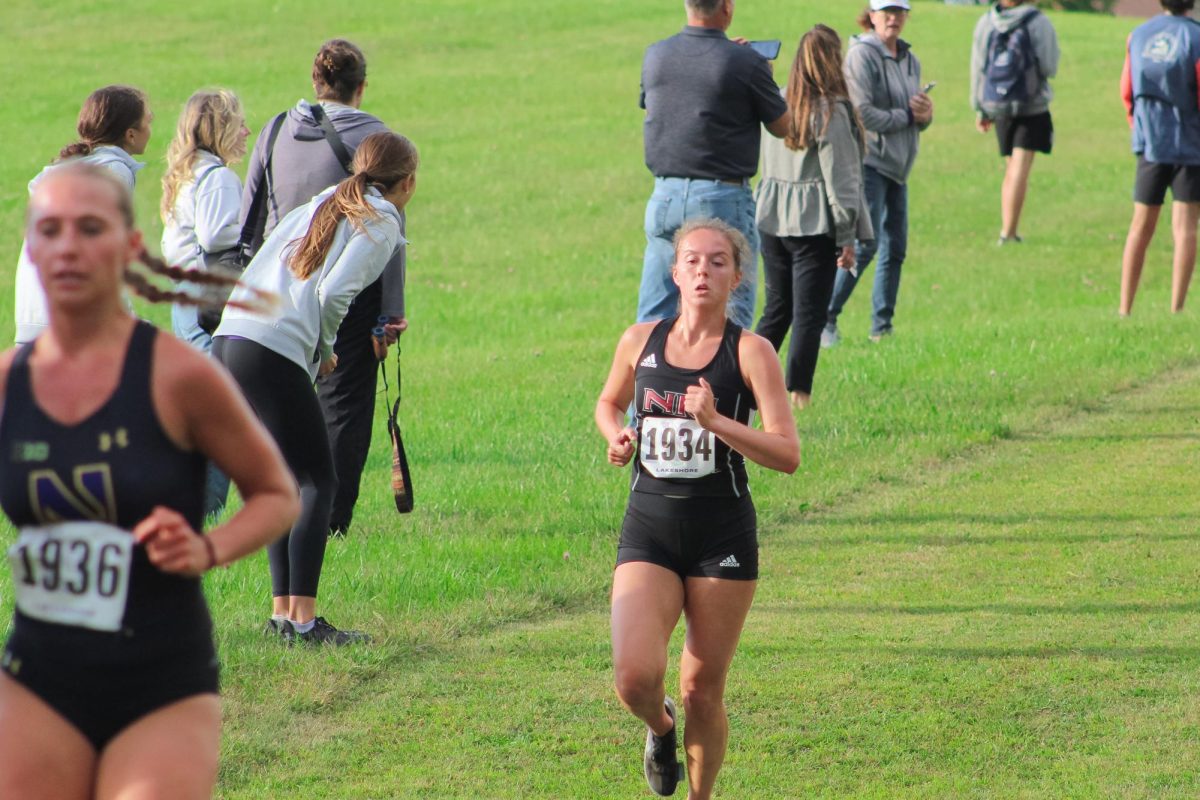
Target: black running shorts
x=1153 y=179
x=1035 y=132
x=705 y=537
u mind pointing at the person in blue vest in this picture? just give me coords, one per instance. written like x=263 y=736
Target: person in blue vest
x=1161 y=89
x=1014 y=54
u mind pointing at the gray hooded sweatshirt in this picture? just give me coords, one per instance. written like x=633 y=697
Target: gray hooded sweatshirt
x=880 y=87
x=1045 y=48
x=304 y=165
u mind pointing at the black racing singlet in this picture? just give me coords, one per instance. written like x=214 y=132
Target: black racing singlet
x=113 y=467
x=675 y=455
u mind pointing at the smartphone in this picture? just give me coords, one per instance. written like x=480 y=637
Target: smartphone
x=927 y=88
x=767 y=48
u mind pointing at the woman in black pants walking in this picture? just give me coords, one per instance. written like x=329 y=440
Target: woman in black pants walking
x=808 y=205
x=316 y=262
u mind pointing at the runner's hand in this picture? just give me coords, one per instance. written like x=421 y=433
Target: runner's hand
x=171 y=544
x=620 y=448
x=700 y=403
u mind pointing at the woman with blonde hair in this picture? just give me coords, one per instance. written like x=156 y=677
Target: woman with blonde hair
x=113 y=127
x=110 y=675
x=809 y=205
x=316 y=261
x=201 y=194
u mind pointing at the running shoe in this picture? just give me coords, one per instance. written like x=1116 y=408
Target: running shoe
x=830 y=337
x=276 y=627
x=324 y=633
x=663 y=770
x=1003 y=240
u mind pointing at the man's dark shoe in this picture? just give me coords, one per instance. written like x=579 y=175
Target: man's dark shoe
x=324 y=633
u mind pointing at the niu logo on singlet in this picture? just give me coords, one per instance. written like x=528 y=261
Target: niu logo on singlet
x=665 y=403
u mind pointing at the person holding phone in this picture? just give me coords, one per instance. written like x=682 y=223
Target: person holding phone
x=1014 y=54
x=809 y=205
x=884 y=79
x=689 y=542
x=707 y=98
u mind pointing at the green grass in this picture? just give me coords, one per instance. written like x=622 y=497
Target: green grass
x=911 y=638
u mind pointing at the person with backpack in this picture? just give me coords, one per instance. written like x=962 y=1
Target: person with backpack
x=884 y=79
x=1013 y=56
x=1161 y=89
x=297 y=155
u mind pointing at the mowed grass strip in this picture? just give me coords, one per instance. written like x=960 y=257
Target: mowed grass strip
x=1017 y=625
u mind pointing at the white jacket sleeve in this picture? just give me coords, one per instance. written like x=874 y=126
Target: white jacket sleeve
x=357 y=266
x=218 y=203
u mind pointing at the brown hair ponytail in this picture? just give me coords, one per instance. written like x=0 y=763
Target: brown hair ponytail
x=382 y=160
x=106 y=115
x=144 y=288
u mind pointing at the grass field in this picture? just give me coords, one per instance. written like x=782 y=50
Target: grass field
x=976 y=585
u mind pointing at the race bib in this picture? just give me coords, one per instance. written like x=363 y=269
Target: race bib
x=674 y=447
x=73 y=573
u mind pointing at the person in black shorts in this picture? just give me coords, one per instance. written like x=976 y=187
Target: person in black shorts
x=1022 y=119
x=1160 y=85
x=688 y=542
x=109 y=683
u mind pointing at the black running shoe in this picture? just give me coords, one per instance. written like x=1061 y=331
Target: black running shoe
x=663 y=770
x=275 y=627
x=324 y=633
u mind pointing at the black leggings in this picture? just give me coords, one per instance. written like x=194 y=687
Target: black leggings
x=799 y=272
x=282 y=395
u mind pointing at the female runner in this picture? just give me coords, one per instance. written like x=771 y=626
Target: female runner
x=316 y=261
x=113 y=127
x=109 y=684
x=688 y=542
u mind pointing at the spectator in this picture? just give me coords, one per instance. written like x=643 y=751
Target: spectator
x=1013 y=56
x=1160 y=88
x=304 y=160
x=808 y=205
x=705 y=98
x=884 y=78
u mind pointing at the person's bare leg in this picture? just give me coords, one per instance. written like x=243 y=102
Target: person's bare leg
x=1184 y=217
x=169 y=754
x=1141 y=231
x=1012 y=191
x=646 y=603
x=716 y=611
x=42 y=756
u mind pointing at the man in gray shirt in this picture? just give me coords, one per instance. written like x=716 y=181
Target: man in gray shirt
x=705 y=98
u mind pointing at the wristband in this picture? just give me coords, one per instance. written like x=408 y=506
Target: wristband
x=212 y=552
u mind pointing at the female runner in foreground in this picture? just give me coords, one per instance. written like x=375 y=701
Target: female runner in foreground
x=688 y=542
x=110 y=675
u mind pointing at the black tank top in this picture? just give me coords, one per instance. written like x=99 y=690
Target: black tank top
x=113 y=467
x=675 y=456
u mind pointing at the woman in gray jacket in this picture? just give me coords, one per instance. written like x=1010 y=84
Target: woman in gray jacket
x=808 y=205
x=884 y=78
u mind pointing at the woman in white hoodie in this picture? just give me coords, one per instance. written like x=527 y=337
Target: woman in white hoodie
x=315 y=261
x=113 y=126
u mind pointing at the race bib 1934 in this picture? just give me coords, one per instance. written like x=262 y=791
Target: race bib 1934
x=674 y=447
x=73 y=573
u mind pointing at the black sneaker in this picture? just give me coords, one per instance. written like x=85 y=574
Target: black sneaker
x=663 y=770
x=324 y=633
x=276 y=627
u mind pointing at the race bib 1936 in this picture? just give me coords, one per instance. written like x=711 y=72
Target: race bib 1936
x=73 y=573
x=674 y=447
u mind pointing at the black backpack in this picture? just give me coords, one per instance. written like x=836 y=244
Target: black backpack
x=1010 y=72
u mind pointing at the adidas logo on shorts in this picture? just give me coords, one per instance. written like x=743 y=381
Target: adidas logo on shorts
x=730 y=562
x=649 y=361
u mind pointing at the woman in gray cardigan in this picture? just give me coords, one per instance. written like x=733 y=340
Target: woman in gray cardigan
x=808 y=205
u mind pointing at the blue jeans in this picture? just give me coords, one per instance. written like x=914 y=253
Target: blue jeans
x=888 y=205
x=674 y=201
x=184 y=323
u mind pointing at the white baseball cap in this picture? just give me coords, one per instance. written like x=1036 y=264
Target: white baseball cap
x=880 y=5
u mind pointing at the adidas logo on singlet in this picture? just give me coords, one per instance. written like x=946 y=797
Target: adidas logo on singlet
x=650 y=362
x=730 y=562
